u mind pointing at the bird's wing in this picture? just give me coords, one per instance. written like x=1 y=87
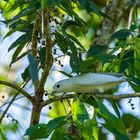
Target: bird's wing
x=93 y=79
x=113 y=74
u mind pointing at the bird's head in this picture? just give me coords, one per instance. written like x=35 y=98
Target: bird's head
x=62 y=86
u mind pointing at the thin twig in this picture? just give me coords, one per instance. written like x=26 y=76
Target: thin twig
x=103 y=96
x=19 y=89
x=13 y=99
x=20 y=97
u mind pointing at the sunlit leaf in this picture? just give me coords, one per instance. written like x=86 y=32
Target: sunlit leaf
x=79 y=112
x=76 y=41
x=90 y=129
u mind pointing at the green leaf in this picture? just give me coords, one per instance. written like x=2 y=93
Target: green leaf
x=17 y=52
x=44 y=130
x=66 y=25
x=24 y=12
x=50 y=2
x=96 y=50
x=38 y=131
x=42 y=54
x=87 y=65
x=60 y=134
x=17 y=4
x=55 y=123
x=115 y=107
x=75 y=62
x=76 y=41
x=137 y=57
x=133 y=27
x=89 y=6
x=91 y=101
x=135 y=83
x=90 y=129
x=22 y=39
x=33 y=69
x=18 y=58
x=79 y=113
x=106 y=58
x=132 y=123
x=61 y=42
x=112 y=122
x=26 y=75
x=129 y=56
x=121 y=34
x=65 y=73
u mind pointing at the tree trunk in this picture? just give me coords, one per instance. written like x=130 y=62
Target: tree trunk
x=35 y=116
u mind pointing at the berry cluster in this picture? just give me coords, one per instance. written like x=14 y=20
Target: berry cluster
x=131 y=104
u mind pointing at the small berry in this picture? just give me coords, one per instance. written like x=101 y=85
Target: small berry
x=63 y=15
x=53 y=33
x=133 y=108
x=50 y=107
x=3 y=97
x=13 y=120
x=43 y=42
x=57 y=22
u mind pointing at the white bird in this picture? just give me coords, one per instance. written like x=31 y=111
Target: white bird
x=88 y=83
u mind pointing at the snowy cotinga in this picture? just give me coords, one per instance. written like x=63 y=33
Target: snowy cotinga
x=88 y=83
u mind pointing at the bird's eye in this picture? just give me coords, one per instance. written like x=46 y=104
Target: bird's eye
x=57 y=86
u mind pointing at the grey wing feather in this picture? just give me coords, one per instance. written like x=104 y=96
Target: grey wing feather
x=93 y=79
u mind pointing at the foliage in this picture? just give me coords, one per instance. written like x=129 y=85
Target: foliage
x=73 y=27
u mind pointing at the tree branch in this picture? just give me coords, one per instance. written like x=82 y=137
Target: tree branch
x=102 y=96
x=38 y=98
x=49 y=57
x=115 y=11
x=12 y=85
x=36 y=28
